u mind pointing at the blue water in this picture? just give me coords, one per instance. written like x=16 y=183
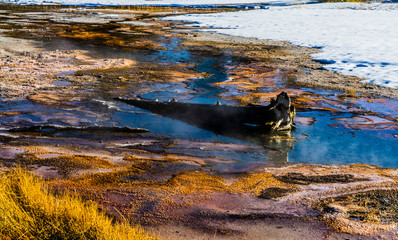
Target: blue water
x=317 y=143
x=325 y=144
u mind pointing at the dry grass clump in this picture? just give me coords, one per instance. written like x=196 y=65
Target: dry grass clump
x=29 y=211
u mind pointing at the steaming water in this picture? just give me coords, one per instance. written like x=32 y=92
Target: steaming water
x=326 y=144
x=317 y=143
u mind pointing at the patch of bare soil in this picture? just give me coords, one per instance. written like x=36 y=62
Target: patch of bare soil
x=267 y=229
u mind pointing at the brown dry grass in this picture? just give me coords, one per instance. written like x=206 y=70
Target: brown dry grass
x=29 y=211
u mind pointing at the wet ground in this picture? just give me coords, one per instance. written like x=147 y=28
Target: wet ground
x=155 y=169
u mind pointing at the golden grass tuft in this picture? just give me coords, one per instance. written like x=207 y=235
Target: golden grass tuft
x=29 y=211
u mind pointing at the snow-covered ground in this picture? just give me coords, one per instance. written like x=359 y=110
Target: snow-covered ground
x=152 y=2
x=356 y=39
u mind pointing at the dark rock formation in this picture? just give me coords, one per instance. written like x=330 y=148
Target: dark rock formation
x=277 y=116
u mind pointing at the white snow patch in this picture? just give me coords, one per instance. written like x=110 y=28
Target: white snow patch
x=150 y=2
x=356 y=39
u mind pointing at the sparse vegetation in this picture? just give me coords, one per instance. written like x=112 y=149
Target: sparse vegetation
x=29 y=211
